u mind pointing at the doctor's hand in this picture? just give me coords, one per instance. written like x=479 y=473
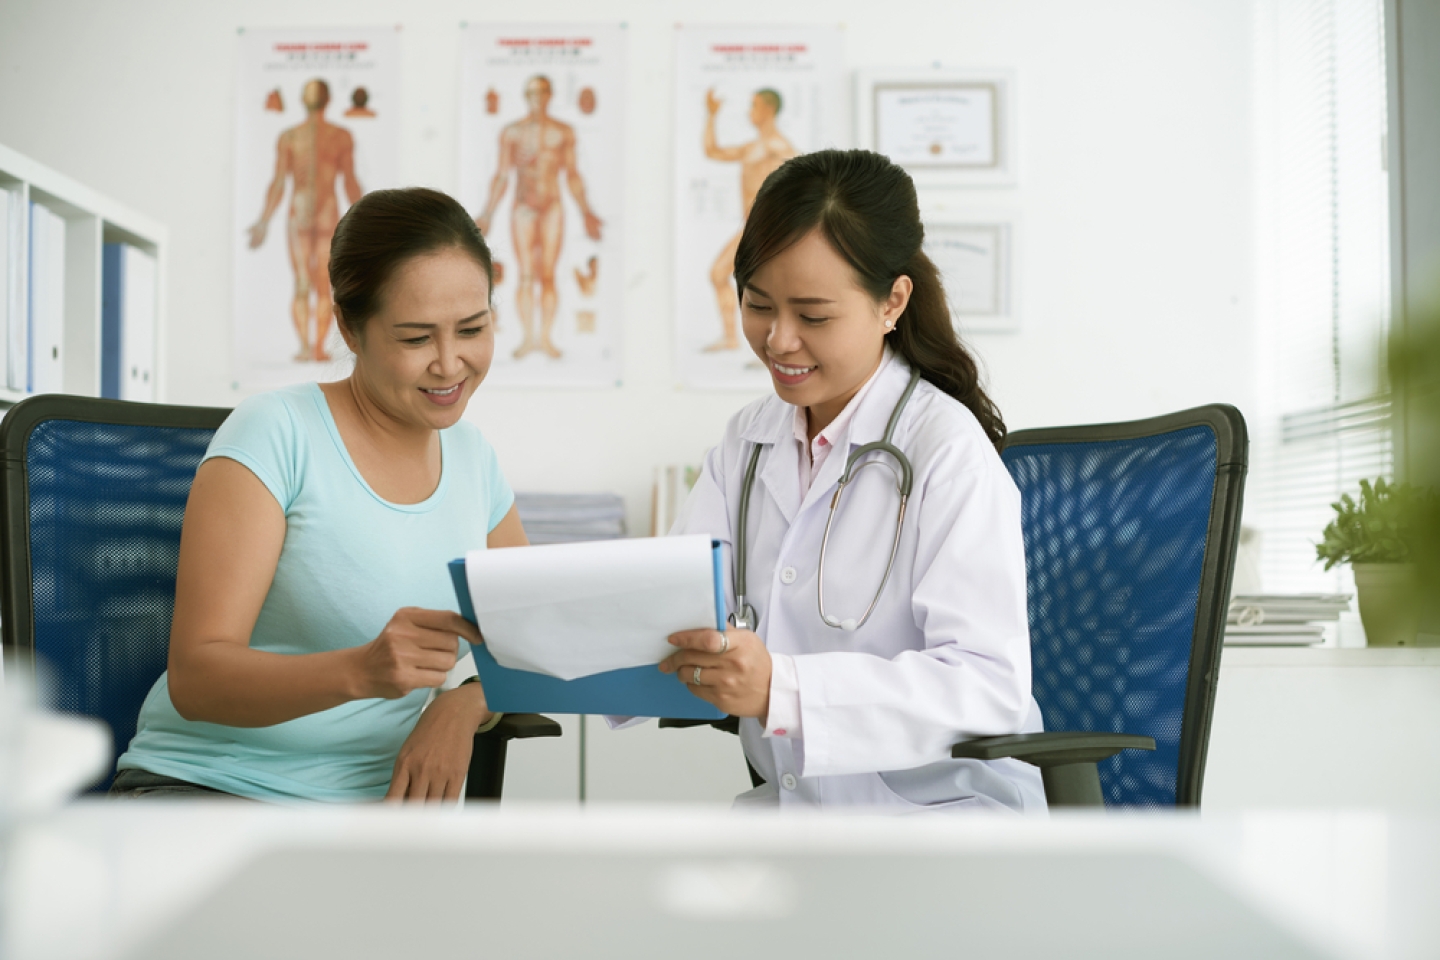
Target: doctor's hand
x=416 y=649
x=737 y=680
x=435 y=758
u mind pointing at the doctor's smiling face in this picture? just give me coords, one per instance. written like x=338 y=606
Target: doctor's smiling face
x=819 y=333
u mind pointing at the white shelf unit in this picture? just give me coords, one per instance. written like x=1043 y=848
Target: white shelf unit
x=91 y=220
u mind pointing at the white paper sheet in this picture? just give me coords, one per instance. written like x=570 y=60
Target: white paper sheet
x=574 y=609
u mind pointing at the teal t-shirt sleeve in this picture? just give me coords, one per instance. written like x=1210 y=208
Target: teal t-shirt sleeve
x=501 y=496
x=262 y=434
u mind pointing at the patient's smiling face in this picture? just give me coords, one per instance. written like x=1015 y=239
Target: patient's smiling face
x=421 y=356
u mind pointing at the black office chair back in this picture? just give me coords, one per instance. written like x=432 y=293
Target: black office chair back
x=1130 y=535
x=94 y=493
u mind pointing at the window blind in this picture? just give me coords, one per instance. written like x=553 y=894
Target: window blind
x=1322 y=420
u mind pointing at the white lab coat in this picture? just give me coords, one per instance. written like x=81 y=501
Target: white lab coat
x=945 y=655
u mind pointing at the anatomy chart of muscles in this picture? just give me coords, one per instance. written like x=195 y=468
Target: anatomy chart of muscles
x=746 y=100
x=541 y=170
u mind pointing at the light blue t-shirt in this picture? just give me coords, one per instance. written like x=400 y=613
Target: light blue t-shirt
x=350 y=560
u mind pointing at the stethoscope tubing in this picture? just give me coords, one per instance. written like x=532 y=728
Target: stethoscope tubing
x=744 y=616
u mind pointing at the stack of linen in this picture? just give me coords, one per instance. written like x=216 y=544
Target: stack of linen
x=1282 y=619
x=570 y=517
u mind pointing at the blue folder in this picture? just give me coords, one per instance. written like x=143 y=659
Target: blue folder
x=632 y=692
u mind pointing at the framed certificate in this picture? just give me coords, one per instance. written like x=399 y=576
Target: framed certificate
x=975 y=256
x=947 y=127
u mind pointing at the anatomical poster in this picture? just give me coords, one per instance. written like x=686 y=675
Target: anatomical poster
x=542 y=171
x=317 y=124
x=746 y=100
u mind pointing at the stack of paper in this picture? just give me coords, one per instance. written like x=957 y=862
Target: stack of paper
x=1282 y=619
x=572 y=610
x=571 y=517
x=579 y=627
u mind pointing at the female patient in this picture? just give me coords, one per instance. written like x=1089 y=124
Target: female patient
x=312 y=610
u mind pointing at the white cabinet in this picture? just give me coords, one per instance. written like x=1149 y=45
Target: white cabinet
x=1324 y=727
x=59 y=346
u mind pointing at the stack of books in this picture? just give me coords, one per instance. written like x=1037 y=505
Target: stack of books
x=1282 y=619
x=570 y=517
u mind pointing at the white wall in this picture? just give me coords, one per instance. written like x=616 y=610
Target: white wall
x=1134 y=271
x=1134 y=260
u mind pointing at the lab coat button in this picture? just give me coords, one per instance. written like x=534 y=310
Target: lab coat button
x=787 y=575
x=788 y=781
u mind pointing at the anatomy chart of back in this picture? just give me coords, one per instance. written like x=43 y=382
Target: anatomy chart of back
x=317 y=124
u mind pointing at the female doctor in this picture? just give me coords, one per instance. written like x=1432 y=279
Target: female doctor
x=868 y=635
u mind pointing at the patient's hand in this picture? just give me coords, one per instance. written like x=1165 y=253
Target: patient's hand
x=416 y=649
x=435 y=758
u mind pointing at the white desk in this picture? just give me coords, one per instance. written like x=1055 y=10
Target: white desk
x=104 y=880
x=1325 y=728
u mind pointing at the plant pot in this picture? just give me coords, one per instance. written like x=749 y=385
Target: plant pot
x=1389 y=597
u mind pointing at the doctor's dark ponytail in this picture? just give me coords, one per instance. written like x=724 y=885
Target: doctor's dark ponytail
x=867 y=209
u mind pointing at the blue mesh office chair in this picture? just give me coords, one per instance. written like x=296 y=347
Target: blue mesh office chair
x=1130 y=536
x=93 y=497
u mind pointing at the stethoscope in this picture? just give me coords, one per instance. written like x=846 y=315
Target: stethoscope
x=744 y=617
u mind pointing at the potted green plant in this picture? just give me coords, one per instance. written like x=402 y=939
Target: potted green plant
x=1377 y=537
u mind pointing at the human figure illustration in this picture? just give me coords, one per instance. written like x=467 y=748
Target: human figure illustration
x=313 y=154
x=360 y=103
x=537 y=148
x=758 y=159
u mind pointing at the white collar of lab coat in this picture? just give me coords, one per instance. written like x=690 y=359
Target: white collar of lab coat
x=774 y=425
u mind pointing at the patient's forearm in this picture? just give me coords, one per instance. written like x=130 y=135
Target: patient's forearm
x=224 y=682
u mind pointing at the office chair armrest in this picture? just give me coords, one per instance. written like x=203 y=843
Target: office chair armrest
x=522 y=726
x=1066 y=760
x=1052 y=749
x=725 y=724
x=487 y=757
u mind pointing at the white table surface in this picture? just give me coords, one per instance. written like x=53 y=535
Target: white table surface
x=103 y=879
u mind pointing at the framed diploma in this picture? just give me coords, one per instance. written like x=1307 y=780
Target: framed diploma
x=975 y=256
x=947 y=127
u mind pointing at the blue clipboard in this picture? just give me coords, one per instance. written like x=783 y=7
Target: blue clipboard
x=632 y=692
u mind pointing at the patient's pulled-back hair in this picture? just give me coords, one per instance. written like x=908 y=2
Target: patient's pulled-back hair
x=384 y=230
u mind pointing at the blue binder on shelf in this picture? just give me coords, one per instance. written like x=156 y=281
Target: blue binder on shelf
x=112 y=309
x=632 y=692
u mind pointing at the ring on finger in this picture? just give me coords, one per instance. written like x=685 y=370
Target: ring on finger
x=695 y=677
